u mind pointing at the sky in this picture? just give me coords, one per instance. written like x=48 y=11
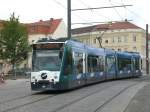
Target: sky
x=35 y=10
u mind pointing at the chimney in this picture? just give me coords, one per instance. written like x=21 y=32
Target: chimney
x=41 y=20
x=51 y=19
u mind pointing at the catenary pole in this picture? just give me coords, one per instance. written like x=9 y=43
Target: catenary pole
x=69 y=19
x=147 y=51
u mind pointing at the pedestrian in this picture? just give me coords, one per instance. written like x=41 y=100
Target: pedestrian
x=2 y=78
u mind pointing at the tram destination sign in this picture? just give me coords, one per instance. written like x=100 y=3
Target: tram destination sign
x=47 y=46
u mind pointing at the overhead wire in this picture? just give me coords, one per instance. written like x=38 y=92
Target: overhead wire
x=92 y=11
x=134 y=13
x=115 y=10
x=137 y=15
x=86 y=20
x=125 y=11
x=60 y=4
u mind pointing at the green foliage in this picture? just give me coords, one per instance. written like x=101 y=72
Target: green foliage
x=14 y=45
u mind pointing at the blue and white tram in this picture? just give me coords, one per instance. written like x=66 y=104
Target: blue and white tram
x=69 y=64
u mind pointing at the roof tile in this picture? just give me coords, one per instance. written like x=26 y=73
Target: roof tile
x=43 y=27
x=112 y=26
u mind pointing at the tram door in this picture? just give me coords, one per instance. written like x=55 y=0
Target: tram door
x=79 y=68
x=133 y=67
x=110 y=67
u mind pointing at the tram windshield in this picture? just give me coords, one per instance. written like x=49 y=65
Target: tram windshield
x=47 y=57
x=47 y=60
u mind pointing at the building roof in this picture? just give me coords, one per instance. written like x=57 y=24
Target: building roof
x=43 y=27
x=102 y=27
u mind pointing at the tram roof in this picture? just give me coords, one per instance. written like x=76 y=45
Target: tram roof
x=45 y=41
x=90 y=50
x=59 y=40
x=124 y=54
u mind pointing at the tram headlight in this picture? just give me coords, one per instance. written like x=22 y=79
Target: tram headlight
x=33 y=79
x=55 y=77
x=52 y=80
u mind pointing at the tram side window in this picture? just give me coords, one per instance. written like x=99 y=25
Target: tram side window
x=93 y=64
x=110 y=63
x=124 y=64
x=78 y=62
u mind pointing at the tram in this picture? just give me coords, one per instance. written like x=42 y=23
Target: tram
x=63 y=65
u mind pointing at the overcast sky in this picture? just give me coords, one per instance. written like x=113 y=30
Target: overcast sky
x=35 y=10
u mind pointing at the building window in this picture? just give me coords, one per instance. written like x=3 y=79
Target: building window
x=113 y=39
x=125 y=39
x=134 y=49
x=134 y=38
x=106 y=41
x=33 y=28
x=94 y=41
x=119 y=39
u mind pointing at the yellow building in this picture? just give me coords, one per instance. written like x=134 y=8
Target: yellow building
x=119 y=36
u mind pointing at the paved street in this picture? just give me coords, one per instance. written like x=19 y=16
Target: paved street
x=129 y=95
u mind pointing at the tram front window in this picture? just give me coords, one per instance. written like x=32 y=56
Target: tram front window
x=47 y=60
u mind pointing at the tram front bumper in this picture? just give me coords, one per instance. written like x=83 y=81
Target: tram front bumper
x=45 y=85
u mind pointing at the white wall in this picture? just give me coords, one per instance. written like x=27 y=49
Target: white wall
x=61 y=31
x=35 y=37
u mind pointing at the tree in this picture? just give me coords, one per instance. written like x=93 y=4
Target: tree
x=14 y=45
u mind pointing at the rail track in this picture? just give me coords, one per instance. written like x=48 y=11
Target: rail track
x=31 y=99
